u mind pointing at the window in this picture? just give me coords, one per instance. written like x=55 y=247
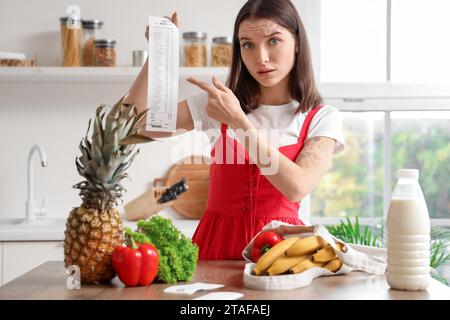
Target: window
x=354 y=185
x=384 y=64
x=420 y=45
x=422 y=140
x=353 y=40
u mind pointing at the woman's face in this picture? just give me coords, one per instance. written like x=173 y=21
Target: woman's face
x=267 y=50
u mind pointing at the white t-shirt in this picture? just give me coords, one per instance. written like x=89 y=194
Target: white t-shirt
x=281 y=119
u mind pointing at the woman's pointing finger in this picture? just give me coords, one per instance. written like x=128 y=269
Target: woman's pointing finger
x=202 y=85
x=219 y=85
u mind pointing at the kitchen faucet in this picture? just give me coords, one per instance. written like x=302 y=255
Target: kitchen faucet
x=31 y=210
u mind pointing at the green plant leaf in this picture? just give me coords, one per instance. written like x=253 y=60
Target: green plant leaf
x=136 y=139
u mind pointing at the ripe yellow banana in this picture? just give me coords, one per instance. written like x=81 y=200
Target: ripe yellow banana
x=341 y=247
x=305 y=265
x=266 y=260
x=284 y=263
x=306 y=245
x=324 y=255
x=334 y=265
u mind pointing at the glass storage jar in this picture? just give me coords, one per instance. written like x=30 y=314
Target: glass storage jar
x=91 y=32
x=194 y=44
x=221 y=51
x=71 y=34
x=105 y=53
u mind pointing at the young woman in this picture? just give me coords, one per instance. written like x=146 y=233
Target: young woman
x=270 y=87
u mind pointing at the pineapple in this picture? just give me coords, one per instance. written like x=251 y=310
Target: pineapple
x=94 y=229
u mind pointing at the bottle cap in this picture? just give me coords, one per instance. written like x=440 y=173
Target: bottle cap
x=105 y=43
x=222 y=40
x=408 y=174
x=91 y=24
x=194 y=35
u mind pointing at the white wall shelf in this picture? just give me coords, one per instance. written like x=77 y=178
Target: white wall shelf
x=381 y=96
x=93 y=74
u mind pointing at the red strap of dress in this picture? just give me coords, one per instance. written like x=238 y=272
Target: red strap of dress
x=306 y=123
x=223 y=128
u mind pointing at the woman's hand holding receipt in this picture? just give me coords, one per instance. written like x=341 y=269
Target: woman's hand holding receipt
x=137 y=95
x=163 y=75
x=174 y=19
x=146 y=204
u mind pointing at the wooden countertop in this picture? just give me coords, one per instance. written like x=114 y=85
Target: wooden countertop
x=48 y=281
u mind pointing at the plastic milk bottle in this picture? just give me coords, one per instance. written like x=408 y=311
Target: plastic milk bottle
x=408 y=235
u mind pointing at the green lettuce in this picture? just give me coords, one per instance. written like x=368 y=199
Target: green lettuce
x=177 y=254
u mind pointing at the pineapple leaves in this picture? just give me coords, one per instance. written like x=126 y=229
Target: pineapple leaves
x=127 y=129
x=139 y=117
x=97 y=155
x=108 y=154
x=111 y=144
x=128 y=110
x=135 y=139
x=97 y=137
x=114 y=114
x=133 y=136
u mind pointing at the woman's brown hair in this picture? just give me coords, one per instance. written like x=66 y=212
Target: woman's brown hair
x=302 y=83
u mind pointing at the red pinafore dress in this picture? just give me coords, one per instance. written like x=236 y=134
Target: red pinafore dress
x=241 y=201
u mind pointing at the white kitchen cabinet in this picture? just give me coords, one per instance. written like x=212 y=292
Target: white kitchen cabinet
x=21 y=257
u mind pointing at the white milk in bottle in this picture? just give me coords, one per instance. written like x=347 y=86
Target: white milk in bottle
x=408 y=235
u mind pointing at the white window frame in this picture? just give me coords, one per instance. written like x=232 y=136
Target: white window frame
x=377 y=96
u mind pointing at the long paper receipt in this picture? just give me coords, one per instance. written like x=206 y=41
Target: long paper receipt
x=163 y=68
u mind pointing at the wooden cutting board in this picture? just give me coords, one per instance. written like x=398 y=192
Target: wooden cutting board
x=191 y=204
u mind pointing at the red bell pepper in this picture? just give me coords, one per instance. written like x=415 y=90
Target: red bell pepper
x=263 y=242
x=135 y=264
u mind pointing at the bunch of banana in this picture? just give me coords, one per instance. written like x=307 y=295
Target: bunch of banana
x=295 y=255
x=268 y=258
